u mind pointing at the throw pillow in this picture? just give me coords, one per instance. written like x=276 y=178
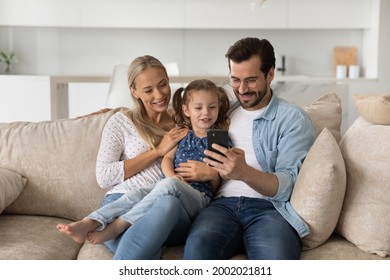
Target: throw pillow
x=375 y=108
x=319 y=190
x=326 y=112
x=11 y=185
x=364 y=218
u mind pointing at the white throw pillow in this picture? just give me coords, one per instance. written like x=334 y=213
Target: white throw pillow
x=11 y=185
x=320 y=188
x=364 y=218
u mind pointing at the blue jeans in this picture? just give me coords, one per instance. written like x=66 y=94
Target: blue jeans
x=191 y=199
x=115 y=205
x=164 y=223
x=135 y=203
x=232 y=225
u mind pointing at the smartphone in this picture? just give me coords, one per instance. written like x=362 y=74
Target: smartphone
x=217 y=136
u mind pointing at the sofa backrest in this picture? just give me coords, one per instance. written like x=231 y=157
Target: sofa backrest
x=58 y=159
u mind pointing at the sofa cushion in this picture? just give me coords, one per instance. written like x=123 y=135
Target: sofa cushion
x=374 y=108
x=25 y=237
x=326 y=112
x=11 y=185
x=364 y=218
x=320 y=188
x=58 y=158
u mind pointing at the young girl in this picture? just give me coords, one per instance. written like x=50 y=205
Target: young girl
x=200 y=106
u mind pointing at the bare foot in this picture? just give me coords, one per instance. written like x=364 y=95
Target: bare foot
x=78 y=230
x=112 y=231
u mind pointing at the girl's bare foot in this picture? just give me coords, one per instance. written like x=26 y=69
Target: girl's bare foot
x=112 y=231
x=78 y=230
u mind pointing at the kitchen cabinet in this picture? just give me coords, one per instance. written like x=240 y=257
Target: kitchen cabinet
x=187 y=14
x=24 y=98
x=313 y=14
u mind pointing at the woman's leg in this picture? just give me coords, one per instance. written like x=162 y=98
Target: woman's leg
x=145 y=238
x=191 y=199
x=215 y=233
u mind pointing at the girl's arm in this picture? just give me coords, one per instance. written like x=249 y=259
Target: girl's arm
x=167 y=164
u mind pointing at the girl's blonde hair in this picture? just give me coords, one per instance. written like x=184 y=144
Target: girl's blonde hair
x=182 y=97
x=150 y=132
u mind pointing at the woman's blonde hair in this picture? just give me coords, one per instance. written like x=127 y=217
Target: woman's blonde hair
x=182 y=97
x=149 y=131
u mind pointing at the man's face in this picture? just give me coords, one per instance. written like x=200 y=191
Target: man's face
x=250 y=85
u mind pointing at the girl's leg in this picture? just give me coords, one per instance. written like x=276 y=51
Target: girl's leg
x=110 y=211
x=112 y=231
x=79 y=230
x=191 y=199
x=145 y=238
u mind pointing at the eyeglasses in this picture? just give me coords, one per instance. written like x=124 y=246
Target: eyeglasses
x=249 y=82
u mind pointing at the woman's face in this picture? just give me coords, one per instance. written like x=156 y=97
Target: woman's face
x=152 y=87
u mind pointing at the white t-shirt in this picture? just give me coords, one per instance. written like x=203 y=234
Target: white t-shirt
x=240 y=132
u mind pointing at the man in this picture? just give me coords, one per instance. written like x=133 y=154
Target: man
x=271 y=139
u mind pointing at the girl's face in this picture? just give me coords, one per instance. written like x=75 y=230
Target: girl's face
x=202 y=110
x=152 y=87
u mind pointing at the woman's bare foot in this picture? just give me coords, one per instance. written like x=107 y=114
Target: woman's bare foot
x=78 y=230
x=112 y=231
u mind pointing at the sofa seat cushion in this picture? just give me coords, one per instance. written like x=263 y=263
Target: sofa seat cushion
x=90 y=251
x=34 y=238
x=338 y=248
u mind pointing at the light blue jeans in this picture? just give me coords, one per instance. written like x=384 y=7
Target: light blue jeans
x=232 y=225
x=134 y=204
x=165 y=223
x=115 y=205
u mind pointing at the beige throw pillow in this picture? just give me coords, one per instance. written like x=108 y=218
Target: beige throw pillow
x=375 y=108
x=319 y=190
x=364 y=218
x=326 y=112
x=11 y=185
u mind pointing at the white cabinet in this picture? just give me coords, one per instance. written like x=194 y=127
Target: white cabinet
x=349 y=14
x=57 y=13
x=233 y=14
x=132 y=14
x=182 y=14
x=24 y=98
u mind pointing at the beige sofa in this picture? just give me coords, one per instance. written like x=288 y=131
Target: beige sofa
x=47 y=176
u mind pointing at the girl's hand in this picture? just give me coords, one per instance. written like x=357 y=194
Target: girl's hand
x=171 y=139
x=193 y=170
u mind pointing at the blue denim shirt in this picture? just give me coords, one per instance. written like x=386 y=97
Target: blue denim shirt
x=281 y=138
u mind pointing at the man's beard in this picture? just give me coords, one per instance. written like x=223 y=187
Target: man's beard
x=252 y=103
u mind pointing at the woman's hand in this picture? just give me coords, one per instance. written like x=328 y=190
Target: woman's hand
x=170 y=140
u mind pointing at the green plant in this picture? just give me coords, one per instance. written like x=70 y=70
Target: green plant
x=9 y=59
